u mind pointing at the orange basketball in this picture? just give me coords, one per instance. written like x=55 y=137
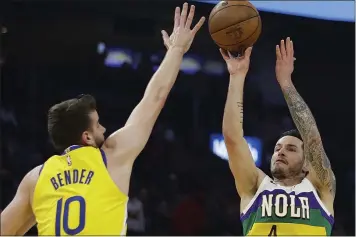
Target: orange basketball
x=234 y=25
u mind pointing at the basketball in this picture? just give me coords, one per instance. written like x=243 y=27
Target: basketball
x=234 y=25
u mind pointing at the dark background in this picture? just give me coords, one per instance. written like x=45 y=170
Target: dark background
x=49 y=54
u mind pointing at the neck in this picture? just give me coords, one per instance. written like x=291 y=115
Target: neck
x=288 y=181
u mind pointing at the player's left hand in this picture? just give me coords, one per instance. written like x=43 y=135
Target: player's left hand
x=182 y=36
x=237 y=65
x=285 y=61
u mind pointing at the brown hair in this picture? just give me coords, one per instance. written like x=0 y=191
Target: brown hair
x=68 y=120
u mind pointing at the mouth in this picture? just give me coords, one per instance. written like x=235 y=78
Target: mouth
x=280 y=161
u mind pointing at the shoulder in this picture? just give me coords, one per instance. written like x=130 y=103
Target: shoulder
x=33 y=174
x=30 y=180
x=261 y=177
x=325 y=192
x=325 y=196
x=118 y=156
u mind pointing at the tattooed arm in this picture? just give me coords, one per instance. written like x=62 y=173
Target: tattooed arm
x=323 y=176
x=313 y=147
x=246 y=174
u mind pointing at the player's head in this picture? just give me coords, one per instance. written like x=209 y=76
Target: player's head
x=288 y=156
x=75 y=122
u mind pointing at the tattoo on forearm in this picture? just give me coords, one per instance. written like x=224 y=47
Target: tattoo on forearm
x=313 y=147
x=240 y=105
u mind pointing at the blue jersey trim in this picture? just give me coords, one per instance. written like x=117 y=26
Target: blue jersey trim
x=104 y=157
x=71 y=148
x=74 y=147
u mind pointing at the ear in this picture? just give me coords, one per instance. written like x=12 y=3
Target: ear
x=87 y=139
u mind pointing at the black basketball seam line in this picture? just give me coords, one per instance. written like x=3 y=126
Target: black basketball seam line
x=234 y=24
x=211 y=17
x=244 y=39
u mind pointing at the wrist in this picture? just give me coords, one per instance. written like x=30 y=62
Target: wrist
x=285 y=81
x=176 y=49
x=238 y=76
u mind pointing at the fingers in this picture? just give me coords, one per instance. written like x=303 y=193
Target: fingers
x=184 y=20
x=224 y=54
x=227 y=55
x=183 y=15
x=198 y=25
x=165 y=35
x=283 y=49
x=165 y=38
x=190 y=17
x=230 y=54
x=289 y=48
x=248 y=52
x=278 y=53
x=176 y=17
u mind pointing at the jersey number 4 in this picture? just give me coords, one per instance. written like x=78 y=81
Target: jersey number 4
x=273 y=231
x=62 y=222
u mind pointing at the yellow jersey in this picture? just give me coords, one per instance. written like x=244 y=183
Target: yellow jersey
x=75 y=195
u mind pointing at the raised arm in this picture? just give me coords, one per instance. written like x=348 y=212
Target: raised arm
x=322 y=174
x=125 y=144
x=18 y=218
x=246 y=174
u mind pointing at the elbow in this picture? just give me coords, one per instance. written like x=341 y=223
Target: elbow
x=157 y=94
x=232 y=138
x=155 y=102
x=232 y=128
x=232 y=135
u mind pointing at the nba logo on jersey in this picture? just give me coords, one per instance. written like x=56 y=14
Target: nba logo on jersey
x=69 y=160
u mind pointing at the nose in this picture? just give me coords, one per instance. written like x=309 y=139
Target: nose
x=281 y=153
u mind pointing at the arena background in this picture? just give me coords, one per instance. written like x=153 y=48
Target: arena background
x=181 y=182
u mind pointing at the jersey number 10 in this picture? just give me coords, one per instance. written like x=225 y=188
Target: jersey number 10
x=62 y=222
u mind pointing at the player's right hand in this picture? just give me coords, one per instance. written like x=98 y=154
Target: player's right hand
x=182 y=36
x=285 y=61
x=237 y=65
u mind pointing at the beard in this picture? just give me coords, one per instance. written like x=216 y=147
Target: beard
x=99 y=142
x=280 y=172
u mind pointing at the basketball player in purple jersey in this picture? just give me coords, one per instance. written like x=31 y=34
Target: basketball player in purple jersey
x=298 y=199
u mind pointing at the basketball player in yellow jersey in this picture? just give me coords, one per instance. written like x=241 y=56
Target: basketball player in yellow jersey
x=298 y=198
x=84 y=190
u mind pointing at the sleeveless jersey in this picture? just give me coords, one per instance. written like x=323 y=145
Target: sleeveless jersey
x=276 y=210
x=75 y=195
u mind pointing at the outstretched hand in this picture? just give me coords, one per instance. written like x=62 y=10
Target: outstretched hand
x=285 y=61
x=237 y=65
x=182 y=36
